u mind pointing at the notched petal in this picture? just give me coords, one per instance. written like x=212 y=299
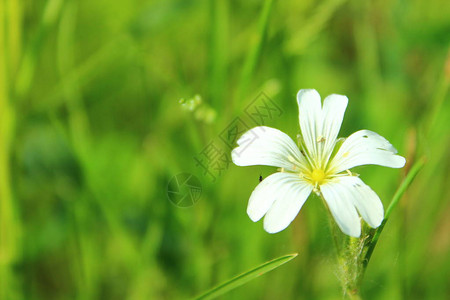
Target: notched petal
x=338 y=199
x=366 y=147
x=266 y=146
x=290 y=200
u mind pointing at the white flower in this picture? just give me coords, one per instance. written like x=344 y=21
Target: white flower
x=317 y=166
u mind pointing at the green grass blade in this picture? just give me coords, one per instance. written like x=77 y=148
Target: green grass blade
x=403 y=187
x=246 y=277
x=218 y=51
x=395 y=199
x=255 y=51
x=314 y=25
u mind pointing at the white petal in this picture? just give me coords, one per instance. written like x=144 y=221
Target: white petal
x=266 y=193
x=333 y=113
x=365 y=199
x=339 y=200
x=310 y=118
x=290 y=197
x=267 y=146
x=366 y=147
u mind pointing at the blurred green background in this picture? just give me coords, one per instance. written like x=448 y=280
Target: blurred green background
x=92 y=131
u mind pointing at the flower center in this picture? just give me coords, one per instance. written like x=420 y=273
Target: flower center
x=317 y=176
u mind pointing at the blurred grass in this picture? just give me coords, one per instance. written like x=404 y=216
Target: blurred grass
x=91 y=132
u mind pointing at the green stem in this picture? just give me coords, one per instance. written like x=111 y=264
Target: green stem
x=353 y=295
x=353 y=266
x=348 y=258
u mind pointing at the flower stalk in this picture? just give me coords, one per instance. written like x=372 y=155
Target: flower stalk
x=353 y=254
x=352 y=267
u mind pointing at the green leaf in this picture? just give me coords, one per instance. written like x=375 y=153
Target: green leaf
x=397 y=196
x=246 y=277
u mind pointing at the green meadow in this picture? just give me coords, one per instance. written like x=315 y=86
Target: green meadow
x=108 y=109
